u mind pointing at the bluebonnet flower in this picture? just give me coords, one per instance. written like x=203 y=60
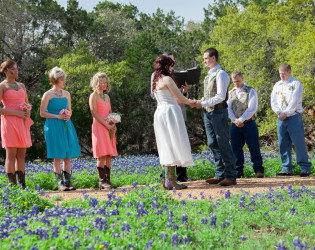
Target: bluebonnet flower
x=242 y=238
x=128 y=214
x=151 y=189
x=185 y=239
x=184 y=218
x=293 y=211
x=179 y=194
x=252 y=210
x=63 y=222
x=144 y=224
x=204 y=220
x=165 y=207
x=93 y=202
x=281 y=246
x=149 y=244
x=134 y=185
x=213 y=221
x=175 y=226
x=37 y=187
x=297 y=244
x=174 y=239
x=77 y=244
x=159 y=212
x=266 y=213
x=227 y=194
x=183 y=202
x=163 y=236
x=125 y=227
x=273 y=209
x=169 y=185
x=55 y=232
x=138 y=232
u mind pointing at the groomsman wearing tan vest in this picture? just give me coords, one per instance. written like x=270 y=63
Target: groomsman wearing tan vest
x=286 y=102
x=242 y=106
x=216 y=85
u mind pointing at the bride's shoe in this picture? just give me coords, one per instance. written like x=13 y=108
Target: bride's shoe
x=169 y=181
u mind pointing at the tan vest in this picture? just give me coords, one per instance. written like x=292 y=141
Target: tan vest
x=210 y=90
x=240 y=105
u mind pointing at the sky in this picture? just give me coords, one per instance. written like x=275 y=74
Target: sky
x=191 y=10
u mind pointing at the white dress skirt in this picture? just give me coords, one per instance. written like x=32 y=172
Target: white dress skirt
x=170 y=131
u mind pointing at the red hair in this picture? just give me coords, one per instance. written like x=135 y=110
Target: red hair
x=162 y=66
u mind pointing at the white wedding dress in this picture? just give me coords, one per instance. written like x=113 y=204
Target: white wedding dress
x=170 y=131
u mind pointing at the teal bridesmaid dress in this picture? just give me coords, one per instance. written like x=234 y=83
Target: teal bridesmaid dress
x=61 y=137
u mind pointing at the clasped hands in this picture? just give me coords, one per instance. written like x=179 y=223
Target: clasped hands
x=282 y=116
x=238 y=123
x=195 y=104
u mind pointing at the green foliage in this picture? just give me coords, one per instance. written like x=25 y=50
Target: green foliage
x=15 y=199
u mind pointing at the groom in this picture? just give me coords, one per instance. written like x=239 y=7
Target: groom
x=214 y=102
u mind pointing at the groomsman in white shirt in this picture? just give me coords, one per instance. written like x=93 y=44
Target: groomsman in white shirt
x=242 y=106
x=286 y=101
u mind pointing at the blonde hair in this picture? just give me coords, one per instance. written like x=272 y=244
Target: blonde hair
x=56 y=73
x=95 y=82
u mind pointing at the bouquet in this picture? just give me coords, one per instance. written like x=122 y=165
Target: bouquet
x=65 y=112
x=112 y=119
x=26 y=107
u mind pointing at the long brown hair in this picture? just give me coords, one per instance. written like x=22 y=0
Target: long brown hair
x=6 y=65
x=162 y=66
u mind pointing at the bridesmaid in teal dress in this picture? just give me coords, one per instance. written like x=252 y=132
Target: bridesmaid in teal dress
x=60 y=135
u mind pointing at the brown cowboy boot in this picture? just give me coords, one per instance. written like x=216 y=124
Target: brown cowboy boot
x=11 y=178
x=21 y=178
x=68 y=181
x=170 y=182
x=60 y=182
x=102 y=184
x=107 y=171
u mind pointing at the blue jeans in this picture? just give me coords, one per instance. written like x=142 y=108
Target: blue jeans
x=217 y=129
x=249 y=134
x=292 y=130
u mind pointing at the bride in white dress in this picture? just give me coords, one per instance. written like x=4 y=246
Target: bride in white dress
x=169 y=125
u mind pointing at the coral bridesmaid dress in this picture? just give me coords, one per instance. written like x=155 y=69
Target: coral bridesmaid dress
x=102 y=144
x=15 y=131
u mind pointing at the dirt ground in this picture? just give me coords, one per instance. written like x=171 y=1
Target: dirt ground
x=251 y=185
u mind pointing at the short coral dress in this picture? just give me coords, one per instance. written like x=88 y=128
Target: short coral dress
x=101 y=142
x=15 y=131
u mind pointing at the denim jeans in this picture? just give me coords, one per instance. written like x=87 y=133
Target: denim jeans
x=249 y=134
x=217 y=129
x=292 y=130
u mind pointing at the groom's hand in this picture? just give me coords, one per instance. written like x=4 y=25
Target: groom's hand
x=198 y=105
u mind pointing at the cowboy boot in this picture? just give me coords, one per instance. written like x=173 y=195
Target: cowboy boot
x=68 y=181
x=21 y=178
x=11 y=178
x=102 y=184
x=107 y=171
x=171 y=172
x=166 y=182
x=60 y=182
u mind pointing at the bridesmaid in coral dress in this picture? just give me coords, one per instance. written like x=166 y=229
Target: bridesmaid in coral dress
x=15 y=122
x=103 y=146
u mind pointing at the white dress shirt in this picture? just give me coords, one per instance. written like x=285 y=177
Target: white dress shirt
x=252 y=105
x=223 y=82
x=286 y=97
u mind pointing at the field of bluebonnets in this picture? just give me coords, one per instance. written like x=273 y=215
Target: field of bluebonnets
x=148 y=217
